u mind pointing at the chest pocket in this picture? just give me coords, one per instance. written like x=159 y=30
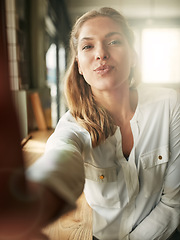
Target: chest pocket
x=101 y=187
x=153 y=170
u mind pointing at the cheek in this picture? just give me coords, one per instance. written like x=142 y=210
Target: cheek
x=84 y=64
x=124 y=60
x=80 y=60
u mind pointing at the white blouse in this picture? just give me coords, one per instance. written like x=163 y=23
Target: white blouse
x=135 y=199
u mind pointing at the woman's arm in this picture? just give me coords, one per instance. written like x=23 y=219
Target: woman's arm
x=24 y=206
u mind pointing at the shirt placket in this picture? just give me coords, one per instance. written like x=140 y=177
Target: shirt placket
x=131 y=180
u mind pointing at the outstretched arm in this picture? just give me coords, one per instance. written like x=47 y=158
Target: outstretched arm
x=21 y=202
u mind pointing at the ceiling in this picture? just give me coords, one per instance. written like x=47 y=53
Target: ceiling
x=132 y=9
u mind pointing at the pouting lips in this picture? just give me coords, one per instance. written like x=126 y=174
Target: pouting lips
x=103 y=69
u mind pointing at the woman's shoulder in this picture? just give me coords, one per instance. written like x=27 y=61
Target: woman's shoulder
x=67 y=118
x=152 y=94
x=68 y=129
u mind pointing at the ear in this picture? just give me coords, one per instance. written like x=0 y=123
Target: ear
x=79 y=68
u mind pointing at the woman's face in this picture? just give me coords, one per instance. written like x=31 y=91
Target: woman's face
x=104 y=55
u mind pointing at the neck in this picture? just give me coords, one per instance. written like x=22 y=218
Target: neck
x=120 y=103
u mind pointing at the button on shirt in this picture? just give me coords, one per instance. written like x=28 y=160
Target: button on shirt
x=135 y=199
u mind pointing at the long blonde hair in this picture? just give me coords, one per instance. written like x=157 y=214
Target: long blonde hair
x=94 y=118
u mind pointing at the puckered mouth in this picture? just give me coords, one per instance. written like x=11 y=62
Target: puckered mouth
x=103 y=67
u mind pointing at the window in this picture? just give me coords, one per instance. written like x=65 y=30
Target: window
x=160 y=55
x=58 y=106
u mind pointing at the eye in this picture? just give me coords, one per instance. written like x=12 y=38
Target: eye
x=115 y=42
x=86 y=47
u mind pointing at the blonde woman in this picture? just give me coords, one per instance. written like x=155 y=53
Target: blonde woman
x=123 y=140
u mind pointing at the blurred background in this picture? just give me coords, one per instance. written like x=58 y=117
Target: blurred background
x=38 y=39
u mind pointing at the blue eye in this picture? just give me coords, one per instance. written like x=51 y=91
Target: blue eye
x=115 y=42
x=86 y=47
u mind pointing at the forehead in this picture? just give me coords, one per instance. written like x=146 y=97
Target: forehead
x=99 y=26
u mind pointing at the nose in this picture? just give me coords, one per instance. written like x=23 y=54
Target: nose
x=101 y=53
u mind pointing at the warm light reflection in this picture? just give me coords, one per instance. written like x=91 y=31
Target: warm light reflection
x=35 y=146
x=32 y=151
x=161 y=56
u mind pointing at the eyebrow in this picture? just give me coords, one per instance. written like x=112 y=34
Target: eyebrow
x=106 y=36
x=85 y=38
x=113 y=33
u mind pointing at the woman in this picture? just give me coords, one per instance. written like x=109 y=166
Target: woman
x=110 y=123
x=124 y=139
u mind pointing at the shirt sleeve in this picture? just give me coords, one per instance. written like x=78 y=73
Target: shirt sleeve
x=165 y=217
x=61 y=168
